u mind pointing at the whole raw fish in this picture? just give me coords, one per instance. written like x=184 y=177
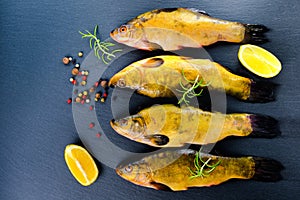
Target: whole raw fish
x=174 y=28
x=170 y=126
x=182 y=169
x=163 y=76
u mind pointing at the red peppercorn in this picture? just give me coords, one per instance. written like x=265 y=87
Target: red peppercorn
x=103 y=83
x=92 y=125
x=91 y=108
x=104 y=95
x=84 y=78
x=74 y=82
x=82 y=102
x=69 y=101
x=96 y=84
x=98 y=135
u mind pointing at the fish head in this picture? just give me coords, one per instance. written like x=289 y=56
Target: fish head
x=136 y=172
x=132 y=127
x=130 y=34
x=129 y=77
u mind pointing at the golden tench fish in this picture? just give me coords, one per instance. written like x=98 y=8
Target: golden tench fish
x=163 y=76
x=174 y=28
x=170 y=126
x=182 y=169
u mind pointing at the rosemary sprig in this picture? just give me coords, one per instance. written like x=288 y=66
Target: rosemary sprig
x=101 y=49
x=189 y=92
x=200 y=167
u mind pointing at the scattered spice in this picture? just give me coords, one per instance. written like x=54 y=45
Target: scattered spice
x=92 y=125
x=91 y=108
x=92 y=90
x=78 y=100
x=77 y=65
x=98 y=135
x=98 y=95
x=80 y=54
x=75 y=71
x=83 y=83
x=69 y=101
x=104 y=84
x=66 y=60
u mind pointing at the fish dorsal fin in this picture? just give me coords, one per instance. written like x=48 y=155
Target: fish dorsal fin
x=160 y=186
x=198 y=11
x=153 y=63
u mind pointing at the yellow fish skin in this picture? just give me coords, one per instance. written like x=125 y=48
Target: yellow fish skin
x=169 y=170
x=170 y=126
x=161 y=76
x=173 y=28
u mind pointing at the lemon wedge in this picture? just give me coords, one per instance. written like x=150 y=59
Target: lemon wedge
x=259 y=61
x=81 y=164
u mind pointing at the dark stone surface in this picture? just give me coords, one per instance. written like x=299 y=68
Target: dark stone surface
x=36 y=123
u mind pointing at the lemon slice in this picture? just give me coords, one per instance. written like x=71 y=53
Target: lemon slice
x=81 y=164
x=259 y=61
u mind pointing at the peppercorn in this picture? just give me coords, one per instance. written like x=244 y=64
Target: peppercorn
x=74 y=82
x=102 y=100
x=77 y=100
x=84 y=97
x=82 y=101
x=70 y=58
x=87 y=101
x=75 y=71
x=66 y=60
x=83 y=83
x=77 y=65
x=96 y=84
x=91 y=108
x=85 y=92
x=92 y=125
x=80 y=53
x=80 y=94
x=86 y=73
x=98 y=95
x=103 y=83
x=92 y=89
x=96 y=99
x=84 y=78
x=71 y=79
x=69 y=101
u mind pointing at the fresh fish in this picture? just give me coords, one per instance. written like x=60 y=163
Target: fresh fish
x=174 y=28
x=170 y=126
x=172 y=170
x=161 y=76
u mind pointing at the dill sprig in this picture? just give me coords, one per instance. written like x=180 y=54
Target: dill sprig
x=189 y=92
x=201 y=167
x=101 y=49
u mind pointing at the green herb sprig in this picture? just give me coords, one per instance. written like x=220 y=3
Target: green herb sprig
x=201 y=166
x=101 y=49
x=189 y=92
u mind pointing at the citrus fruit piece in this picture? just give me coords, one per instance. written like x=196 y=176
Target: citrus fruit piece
x=81 y=164
x=259 y=61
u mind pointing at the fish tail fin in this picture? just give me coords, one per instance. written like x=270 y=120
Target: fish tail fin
x=254 y=34
x=262 y=92
x=267 y=170
x=264 y=126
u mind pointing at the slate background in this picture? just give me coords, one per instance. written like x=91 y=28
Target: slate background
x=36 y=123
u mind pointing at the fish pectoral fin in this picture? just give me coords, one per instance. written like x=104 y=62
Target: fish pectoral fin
x=158 y=139
x=160 y=186
x=150 y=46
x=198 y=11
x=153 y=63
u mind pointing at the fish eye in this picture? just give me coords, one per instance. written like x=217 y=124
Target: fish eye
x=128 y=168
x=121 y=83
x=123 y=29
